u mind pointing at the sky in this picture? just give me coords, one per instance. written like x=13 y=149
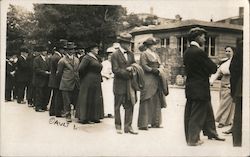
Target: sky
x=187 y=9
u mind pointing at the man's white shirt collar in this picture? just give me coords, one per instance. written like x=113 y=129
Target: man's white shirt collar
x=43 y=57
x=195 y=43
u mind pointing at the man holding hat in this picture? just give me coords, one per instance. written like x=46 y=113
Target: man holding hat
x=198 y=110
x=121 y=61
x=67 y=70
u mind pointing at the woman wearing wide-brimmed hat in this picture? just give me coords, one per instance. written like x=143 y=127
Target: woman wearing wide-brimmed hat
x=90 y=101
x=151 y=96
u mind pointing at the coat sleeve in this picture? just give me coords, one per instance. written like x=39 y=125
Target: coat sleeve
x=143 y=61
x=83 y=67
x=60 y=68
x=117 y=70
x=37 y=68
x=209 y=66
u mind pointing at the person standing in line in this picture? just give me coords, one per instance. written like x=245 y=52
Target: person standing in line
x=152 y=98
x=22 y=75
x=90 y=101
x=236 y=70
x=107 y=84
x=121 y=62
x=225 y=112
x=9 y=78
x=30 y=87
x=41 y=70
x=56 y=106
x=198 y=110
x=67 y=70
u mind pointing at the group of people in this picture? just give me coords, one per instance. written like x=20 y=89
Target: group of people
x=199 y=114
x=78 y=82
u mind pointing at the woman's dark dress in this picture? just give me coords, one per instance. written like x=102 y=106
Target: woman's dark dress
x=90 y=101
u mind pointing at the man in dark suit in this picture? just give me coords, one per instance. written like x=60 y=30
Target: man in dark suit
x=30 y=87
x=41 y=70
x=198 y=110
x=9 y=78
x=56 y=106
x=236 y=68
x=67 y=70
x=121 y=61
x=22 y=75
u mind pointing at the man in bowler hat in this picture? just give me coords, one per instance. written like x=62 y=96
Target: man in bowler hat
x=198 y=110
x=121 y=61
x=67 y=70
x=41 y=79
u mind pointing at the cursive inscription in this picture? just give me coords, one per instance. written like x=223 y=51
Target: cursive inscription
x=54 y=121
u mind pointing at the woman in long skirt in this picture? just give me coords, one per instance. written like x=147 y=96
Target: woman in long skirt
x=226 y=109
x=90 y=101
x=151 y=95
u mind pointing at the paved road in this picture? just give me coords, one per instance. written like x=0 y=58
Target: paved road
x=29 y=133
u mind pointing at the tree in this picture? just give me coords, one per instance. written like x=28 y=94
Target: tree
x=82 y=24
x=19 y=27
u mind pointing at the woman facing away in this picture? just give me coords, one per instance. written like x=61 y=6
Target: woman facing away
x=90 y=101
x=152 y=98
x=226 y=109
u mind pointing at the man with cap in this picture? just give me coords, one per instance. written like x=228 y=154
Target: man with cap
x=121 y=61
x=198 y=110
x=67 y=70
x=41 y=79
x=56 y=106
x=22 y=75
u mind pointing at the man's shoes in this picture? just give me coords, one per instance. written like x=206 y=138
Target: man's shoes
x=21 y=102
x=131 y=132
x=216 y=138
x=40 y=110
x=143 y=128
x=195 y=144
x=68 y=119
x=227 y=132
x=118 y=131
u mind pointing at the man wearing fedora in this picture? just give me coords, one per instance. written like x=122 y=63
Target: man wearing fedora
x=41 y=79
x=121 y=61
x=67 y=70
x=56 y=106
x=198 y=110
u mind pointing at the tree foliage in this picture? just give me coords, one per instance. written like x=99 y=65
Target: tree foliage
x=83 y=24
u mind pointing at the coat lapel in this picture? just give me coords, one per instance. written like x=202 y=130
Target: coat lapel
x=122 y=57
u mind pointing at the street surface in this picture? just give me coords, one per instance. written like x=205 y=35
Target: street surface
x=25 y=132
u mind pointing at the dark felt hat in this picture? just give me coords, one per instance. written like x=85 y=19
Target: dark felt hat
x=150 y=41
x=70 y=45
x=91 y=46
x=125 y=37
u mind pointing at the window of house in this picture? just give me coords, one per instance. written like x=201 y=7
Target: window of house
x=165 y=42
x=182 y=44
x=210 y=46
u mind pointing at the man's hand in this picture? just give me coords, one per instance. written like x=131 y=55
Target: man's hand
x=129 y=68
x=47 y=72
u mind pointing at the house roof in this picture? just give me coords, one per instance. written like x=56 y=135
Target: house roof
x=184 y=24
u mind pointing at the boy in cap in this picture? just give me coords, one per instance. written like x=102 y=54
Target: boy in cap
x=198 y=110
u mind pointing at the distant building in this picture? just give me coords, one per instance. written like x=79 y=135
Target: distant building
x=238 y=20
x=174 y=41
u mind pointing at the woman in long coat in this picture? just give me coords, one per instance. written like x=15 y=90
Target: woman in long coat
x=151 y=96
x=226 y=109
x=90 y=101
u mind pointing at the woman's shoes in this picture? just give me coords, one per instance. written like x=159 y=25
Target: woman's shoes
x=216 y=138
x=221 y=125
x=143 y=128
x=227 y=132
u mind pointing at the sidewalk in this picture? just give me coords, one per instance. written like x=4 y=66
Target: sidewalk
x=29 y=133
